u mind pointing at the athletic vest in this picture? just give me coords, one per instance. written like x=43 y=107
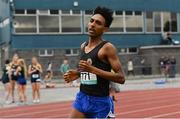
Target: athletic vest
x=35 y=74
x=92 y=84
x=14 y=68
x=5 y=73
x=21 y=73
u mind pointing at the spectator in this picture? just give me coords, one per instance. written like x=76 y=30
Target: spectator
x=170 y=40
x=166 y=62
x=162 y=65
x=49 y=66
x=166 y=38
x=13 y=75
x=48 y=80
x=143 y=66
x=114 y=88
x=130 y=67
x=64 y=67
x=6 y=81
x=173 y=67
x=22 y=81
x=35 y=71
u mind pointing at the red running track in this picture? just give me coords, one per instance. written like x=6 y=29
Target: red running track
x=157 y=103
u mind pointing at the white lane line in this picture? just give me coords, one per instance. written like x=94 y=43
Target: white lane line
x=33 y=113
x=149 y=98
x=31 y=108
x=147 y=109
x=149 y=102
x=167 y=114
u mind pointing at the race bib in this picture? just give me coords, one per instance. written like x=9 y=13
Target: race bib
x=88 y=78
x=35 y=76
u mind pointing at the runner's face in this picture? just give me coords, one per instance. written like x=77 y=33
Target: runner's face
x=96 y=26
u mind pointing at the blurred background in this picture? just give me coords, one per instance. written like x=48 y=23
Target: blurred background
x=146 y=34
x=54 y=30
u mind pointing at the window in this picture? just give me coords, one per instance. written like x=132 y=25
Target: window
x=19 y=11
x=157 y=22
x=54 y=11
x=127 y=50
x=71 y=23
x=47 y=21
x=153 y=21
x=119 y=12
x=43 y=12
x=25 y=24
x=133 y=50
x=72 y=52
x=134 y=21
x=65 y=11
x=124 y=21
x=161 y=22
x=122 y=50
x=169 y=22
x=68 y=51
x=48 y=24
x=173 y=24
x=46 y=53
x=88 y=12
x=31 y=11
x=138 y=13
x=86 y=21
x=149 y=22
x=117 y=23
x=76 y=12
x=87 y=17
x=130 y=13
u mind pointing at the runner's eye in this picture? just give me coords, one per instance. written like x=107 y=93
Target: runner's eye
x=91 y=20
x=98 y=22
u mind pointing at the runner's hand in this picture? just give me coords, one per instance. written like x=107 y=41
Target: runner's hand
x=85 y=66
x=71 y=75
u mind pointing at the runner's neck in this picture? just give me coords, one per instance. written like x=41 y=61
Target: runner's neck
x=94 y=42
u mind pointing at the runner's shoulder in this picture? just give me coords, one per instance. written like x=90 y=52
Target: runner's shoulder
x=82 y=45
x=109 y=46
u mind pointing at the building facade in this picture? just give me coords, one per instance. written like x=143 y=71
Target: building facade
x=54 y=29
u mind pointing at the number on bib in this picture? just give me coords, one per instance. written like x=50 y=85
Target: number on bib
x=88 y=78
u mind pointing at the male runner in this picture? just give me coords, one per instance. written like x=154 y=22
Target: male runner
x=97 y=59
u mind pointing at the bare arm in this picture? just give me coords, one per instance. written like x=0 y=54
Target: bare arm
x=112 y=57
x=29 y=70
x=18 y=70
x=10 y=69
x=73 y=74
x=39 y=68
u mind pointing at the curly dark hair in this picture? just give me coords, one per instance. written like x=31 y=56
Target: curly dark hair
x=106 y=13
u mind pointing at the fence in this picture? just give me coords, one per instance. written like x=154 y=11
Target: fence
x=150 y=66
